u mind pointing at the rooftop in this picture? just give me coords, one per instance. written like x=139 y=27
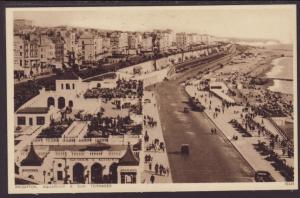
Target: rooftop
x=86 y=35
x=68 y=76
x=129 y=158
x=32 y=158
x=33 y=110
x=88 y=147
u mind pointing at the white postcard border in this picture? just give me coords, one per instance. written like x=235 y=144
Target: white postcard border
x=101 y=188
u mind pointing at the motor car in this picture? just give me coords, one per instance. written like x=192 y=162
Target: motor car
x=185 y=110
x=147 y=100
x=263 y=176
x=185 y=149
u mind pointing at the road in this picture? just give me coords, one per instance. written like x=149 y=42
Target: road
x=212 y=157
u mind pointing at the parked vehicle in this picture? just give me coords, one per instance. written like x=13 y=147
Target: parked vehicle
x=185 y=149
x=263 y=176
x=196 y=105
x=147 y=100
x=185 y=110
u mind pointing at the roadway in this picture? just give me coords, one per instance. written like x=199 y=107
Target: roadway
x=212 y=157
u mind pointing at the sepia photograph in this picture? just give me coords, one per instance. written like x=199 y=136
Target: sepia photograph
x=151 y=98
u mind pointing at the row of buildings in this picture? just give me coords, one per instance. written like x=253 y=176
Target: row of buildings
x=39 y=49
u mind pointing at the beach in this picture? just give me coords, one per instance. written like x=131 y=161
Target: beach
x=262 y=77
x=282 y=68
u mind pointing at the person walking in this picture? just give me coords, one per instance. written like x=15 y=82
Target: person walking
x=156 y=168
x=152 y=178
x=167 y=171
x=160 y=169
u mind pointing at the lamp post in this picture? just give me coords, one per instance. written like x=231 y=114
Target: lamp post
x=44 y=173
x=52 y=170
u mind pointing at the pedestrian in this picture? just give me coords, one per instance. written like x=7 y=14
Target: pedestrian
x=150 y=166
x=212 y=131
x=152 y=179
x=156 y=168
x=167 y=171
x=160 y=169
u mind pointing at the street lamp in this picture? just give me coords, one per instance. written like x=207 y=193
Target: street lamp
x=44 y=173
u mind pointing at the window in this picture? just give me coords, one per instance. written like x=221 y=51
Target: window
x=21 y=120
x=40 y=120
x=59 y=175
x=20 y=62
x=67 y=86
x=73 y=86
x=62 y=86
x=20 y=53
x=59 y=165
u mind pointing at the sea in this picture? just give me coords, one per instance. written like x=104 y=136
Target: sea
x=283 y=69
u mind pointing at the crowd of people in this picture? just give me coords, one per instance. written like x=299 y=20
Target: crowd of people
x=240 y=128
x=149 y=121
x=124 y=89
x=268 y=103
x=156 y=145
x=279 y=163
x=102 y=126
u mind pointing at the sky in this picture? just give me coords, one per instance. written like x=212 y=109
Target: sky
x=271 y=22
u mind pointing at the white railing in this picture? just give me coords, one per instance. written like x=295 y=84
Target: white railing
x=112 y=140
x=88 y=154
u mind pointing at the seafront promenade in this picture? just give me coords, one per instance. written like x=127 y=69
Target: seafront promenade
x=245 y=145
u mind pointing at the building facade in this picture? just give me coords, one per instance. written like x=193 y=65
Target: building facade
x=46 y=51
x=181 y=40
x=147 y=44
x=90 y=47
x=18 y=53
x=119 y=42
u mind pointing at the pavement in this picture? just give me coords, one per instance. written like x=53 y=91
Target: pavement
x=244 y=145
x=159 y=157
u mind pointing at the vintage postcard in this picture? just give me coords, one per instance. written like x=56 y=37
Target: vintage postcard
x=140 y=99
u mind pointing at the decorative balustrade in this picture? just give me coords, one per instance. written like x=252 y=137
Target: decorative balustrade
x=87 y=154
x=112 y=140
